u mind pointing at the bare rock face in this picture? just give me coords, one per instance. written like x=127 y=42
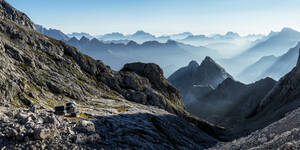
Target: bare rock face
x=282 y=134
x=8 y=12
x=155 y=76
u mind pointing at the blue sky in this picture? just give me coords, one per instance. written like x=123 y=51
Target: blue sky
x=163 y=16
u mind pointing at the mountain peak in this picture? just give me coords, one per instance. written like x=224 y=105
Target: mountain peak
x=132 y=43
x=208 y=60
x=84 y=39
x=193 y=64
x=171 y=42
x=286 y=29
x=232 y=34
x=141 y=32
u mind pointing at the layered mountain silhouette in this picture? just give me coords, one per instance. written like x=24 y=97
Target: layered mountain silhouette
x=253 y=72
x=276 y=43
x=271 y=66
x=203 y=77
x=169 y=55
x=79 y=35
x=283 y=64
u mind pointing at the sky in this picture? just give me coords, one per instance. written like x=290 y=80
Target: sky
x=162 y=17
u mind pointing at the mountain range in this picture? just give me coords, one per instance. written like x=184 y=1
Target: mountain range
x=56 y=34
x=135 y=107
x=271 y=66
x=169 y=55
x=228 y=44
x=276 y=43
x=240 y=108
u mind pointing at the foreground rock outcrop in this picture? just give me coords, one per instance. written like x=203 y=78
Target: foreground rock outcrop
x=111 y=127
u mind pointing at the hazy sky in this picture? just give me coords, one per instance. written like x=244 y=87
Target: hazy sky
x=163 y=16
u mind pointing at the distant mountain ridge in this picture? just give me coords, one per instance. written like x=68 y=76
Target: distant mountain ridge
x=271 y=66
x=276 y=43
x=80 y=35
x=253 y=72
x=169 y=55
x=56 y=34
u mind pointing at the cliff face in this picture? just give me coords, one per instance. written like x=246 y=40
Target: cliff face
x=38 y=73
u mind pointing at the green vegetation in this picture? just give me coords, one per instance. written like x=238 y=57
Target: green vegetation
x=17 y=103
x=32 y=99
x=122 y=109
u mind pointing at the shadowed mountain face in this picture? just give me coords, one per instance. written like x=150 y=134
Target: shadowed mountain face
x=280 y=100
x=191 y=80
x=169 y=55
x=284 y=97
x=38 y=73
x=231 y=102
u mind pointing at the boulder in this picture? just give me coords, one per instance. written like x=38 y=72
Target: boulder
x=85 y=126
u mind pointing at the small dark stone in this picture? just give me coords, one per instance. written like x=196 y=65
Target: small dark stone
x=74 y=114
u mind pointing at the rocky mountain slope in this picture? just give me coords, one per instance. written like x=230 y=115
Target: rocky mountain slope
x=38 y=72
x=231 y=102
x=207 y=74
x=8 y=12
x=283 y=134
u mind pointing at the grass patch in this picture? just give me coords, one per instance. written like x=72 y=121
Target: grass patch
x=122 y=109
